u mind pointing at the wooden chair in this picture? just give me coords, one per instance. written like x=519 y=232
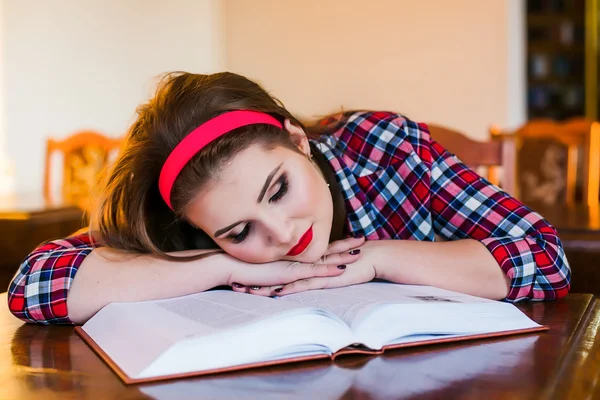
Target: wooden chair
x=554 y=159
x=85 y=154
x=493 y=154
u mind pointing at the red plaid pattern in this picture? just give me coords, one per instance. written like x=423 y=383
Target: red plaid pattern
x=398 y=183
x=401 y=184
x=38 y=291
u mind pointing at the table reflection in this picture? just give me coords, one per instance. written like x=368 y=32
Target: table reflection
x=55 y=362
x=377 y=378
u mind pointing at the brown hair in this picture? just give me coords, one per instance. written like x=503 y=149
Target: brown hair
x=130 y=214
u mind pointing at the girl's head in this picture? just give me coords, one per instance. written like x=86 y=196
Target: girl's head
x=253 y=191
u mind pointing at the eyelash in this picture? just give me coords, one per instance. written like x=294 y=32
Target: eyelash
x=240 y=237
x=283 y=189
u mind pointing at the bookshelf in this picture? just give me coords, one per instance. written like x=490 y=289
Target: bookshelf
x=562 y=59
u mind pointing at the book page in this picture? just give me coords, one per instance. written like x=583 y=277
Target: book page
x=137 y=333
x=345 y=302
x=409 y=313
x=382 y=313
x=225 y=309
x=351 y=302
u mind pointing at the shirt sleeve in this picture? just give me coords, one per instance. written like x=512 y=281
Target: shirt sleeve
x=525 y=245
x=38 y=291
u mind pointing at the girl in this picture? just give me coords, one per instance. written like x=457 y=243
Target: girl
x=218 y=184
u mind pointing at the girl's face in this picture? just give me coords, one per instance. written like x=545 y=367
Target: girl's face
x=267 y=205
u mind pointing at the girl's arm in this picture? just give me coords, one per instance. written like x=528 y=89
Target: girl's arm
x=108 y=275
x=498 y=248
x=464 y=266
x=67 y=281
x=468 y=209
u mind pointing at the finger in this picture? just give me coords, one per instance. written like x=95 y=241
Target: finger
x=345 y=245
x=304 y=271
x=303 y=285
x=340 y=258
x=236 y=287
x=263 y=290
x=285 y=273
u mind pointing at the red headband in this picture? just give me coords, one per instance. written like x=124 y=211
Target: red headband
x=199 y=138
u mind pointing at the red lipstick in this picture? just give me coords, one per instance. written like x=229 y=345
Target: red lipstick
x=302 y=243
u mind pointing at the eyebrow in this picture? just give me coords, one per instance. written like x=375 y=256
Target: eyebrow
x=261 y=196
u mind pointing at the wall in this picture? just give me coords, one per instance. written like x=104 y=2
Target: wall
x=6 y=173
x=456 y=62
x=69 y=65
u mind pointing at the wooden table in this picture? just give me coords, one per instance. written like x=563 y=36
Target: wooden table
x=25 y=222
x=39 y=362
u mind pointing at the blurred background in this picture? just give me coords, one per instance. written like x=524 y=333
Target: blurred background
x=510 y=86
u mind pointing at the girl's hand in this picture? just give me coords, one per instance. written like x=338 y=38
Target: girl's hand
x=360 y=271
x=266 y=279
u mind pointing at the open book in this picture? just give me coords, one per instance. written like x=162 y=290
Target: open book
x=218 y=331
x=410 y=376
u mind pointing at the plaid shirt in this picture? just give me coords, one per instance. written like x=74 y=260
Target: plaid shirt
x=398 y=183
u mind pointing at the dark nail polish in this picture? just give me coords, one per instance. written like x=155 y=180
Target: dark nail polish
x=354 y=252
x=255 y=287
x=237 y=285
x=342 y=266
x=278 y=290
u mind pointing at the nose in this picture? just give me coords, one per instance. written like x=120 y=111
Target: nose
x=279 y=229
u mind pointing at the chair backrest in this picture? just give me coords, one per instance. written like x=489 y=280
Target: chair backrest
x=492 y=154
x=554 y=159
x=85 y=154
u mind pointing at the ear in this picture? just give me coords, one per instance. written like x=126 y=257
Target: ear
x=298 y=137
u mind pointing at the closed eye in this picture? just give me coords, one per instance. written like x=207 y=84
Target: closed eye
x=283 y=189
x=284 y=185
x=240 y=237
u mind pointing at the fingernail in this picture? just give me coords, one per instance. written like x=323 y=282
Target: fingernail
x=278 y=290
x=354 y=252
x=342 y=266
x=237 y=285
x=255 y=287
